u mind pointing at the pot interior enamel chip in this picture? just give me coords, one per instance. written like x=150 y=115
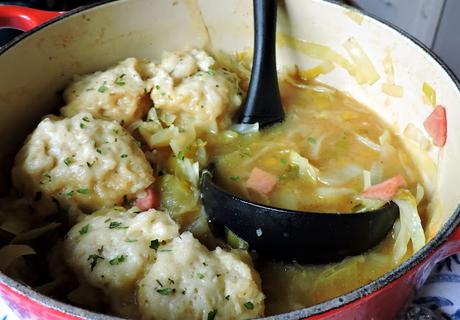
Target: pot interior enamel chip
x=103 y=207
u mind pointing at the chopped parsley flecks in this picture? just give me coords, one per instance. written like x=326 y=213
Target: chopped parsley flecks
x=283 y=161
x=117 y=225
x=200 y=275
x=249 y=305
x=94 y=259
x=90 y=164
x=86 y=119
x=130 y=240
x=165 y=291
x=69 y=194
x=311 y=140
x=245 y=154
x=171 y=281
x=235 y=178
x=124 y=155
x=227 y=297
x=119 y=81
x=181 y=155
x=102 y=88
x=68 y=161
x=82 y=125
x=155 y=244
x=157 y=87
x=117 y=260
x=212 y=314
x=84 y=229
x=98 y=150
x=83 y=191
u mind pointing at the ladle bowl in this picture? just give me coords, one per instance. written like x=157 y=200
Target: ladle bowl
x=306 y=237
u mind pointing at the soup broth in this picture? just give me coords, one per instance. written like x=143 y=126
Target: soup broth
x=342 y=139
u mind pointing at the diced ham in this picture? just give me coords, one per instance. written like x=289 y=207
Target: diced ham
x=149 y=200
x=436 y=126
x=261 y=181
x=385 y=190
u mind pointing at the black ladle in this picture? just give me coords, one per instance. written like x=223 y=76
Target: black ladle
x=306 y=237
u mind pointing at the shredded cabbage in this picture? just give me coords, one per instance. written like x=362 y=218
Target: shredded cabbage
x=416 y=135
x=329 y=192
x=316 y=148
x=341 y=175
x=11 y=252
x=420 y=193
x=314 y=72
x=35 y=233
x=393 y=90
x=306 y=170
x=364 y=69
x=368 y=143
x=315 y=50
x=190 y=171
x=201 y=154
x=429 y=94
x=384 y=138
x=15 y=225
x=135 y=125
x=182 y=140
x=388 y=68
x=245 y=128
x=355 y=16
x=366 y=204
x=410 y=225
x=366 y=179
x=157 y=138
x=376 y=173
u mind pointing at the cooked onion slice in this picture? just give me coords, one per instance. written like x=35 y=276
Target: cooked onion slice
x=410 y=225
x=11 y=252
x=364 y=69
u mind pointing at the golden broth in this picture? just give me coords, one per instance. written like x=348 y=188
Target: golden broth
x=338 y=136
x=341 y=138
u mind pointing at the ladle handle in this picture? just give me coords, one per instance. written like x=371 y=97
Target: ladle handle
x=263 y=101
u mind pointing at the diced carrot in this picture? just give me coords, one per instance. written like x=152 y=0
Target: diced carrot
x=436 y=126
x=385 y=190
x=261 y=181
x=147 y=201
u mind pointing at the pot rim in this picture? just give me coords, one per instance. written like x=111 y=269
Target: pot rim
x=436 y=242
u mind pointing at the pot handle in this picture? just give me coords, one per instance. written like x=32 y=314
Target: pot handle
x=24 y=18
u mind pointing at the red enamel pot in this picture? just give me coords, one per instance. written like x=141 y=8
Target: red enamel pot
x=56 y=46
